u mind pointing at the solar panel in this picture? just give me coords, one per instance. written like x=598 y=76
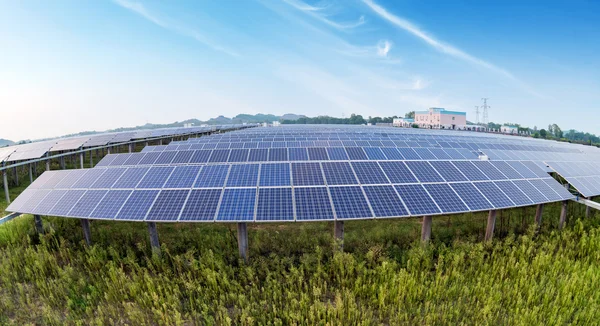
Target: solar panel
x=70 y=178
x=258 y=155
x=134 y=159
x=131 y=177
x=425 y=154
x=49 y=201
x=66 y=203
x=546 y=190
x=201 y=205
x=446 y=198
x=275 y=204
x=558 y=188
x=307 y=174
x=356 y=153
x=417 y=200
x=494 y=194
x=119 y=159
x=108 y=178
x=313 y=203
x=298 y=154
x=200 y=156
x=409 y=153
x=87 y=203
x=183 y=177
x=239 y=155
x=506 y=169
x=182 y=157
x=168 y=205
x=48 y=180
x=278 y=154
x=398 y=172
x=530 y=191
x=439 y=153
x=424 y=171
x=89 y=177
x=374 y=153
x=106 y=160
x=137 y=205
x=471 y=196
x=448 y=171
x=392 y=153
x=156 y=177
x=470 y=171
x=219 y=155
x=514 y=193
x=317 y=154
x=18 y=204
x=110 y=205
x=385 y=201
x=535 y=169
x=243 y=175
x=350 y=202
x=338 y=173
x=212 y=176
x=369 y=173
x=237 y=205
x=489 y=170
x=275 y=174
x=150 y=158
x=522 y=169
x=336 y=153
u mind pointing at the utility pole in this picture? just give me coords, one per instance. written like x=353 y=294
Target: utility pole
x=485 y=110
x=476 y=114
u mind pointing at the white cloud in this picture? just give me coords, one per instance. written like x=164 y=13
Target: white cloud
x=383 y=48
x=139 y=9
x=320 y=14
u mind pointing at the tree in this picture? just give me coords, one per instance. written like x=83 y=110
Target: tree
x=410 y=115
x=543 y=133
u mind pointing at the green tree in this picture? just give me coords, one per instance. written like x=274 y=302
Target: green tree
x=543 y=133
x=410 y=115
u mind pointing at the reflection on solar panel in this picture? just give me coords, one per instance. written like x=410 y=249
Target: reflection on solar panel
x=183 y=177
x=201 y=205
x=167 y=205
x=87 y=203
x=156 y=177
x=110 y=204
x=237 y=205
x=471 y=196
x=514 y=193
x=137 y=205
x=494 y=194
x=446 y=198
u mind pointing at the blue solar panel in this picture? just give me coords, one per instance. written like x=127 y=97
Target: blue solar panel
x=471 y=196
x=349 y=202
x=219 y=155
x=535 y=169
x=298 y=154
x=514 y=193
x=182 y=157
x=506 y=169
x=535 y=195
x=397 y=172
x=392 y=153
x=201 y=205
x=369 y=173
x=222 y=146
x=522 y=169
x=239 y=155
x=106 y=160
x=489 y=170
x=212 y=176
x=454 y=154
x=167 y=205
x=468 y=154
x=90 y=176
x=494 y=194
x=108 y=178
x=409 y=154
x=470 y=171
x=70 y=178
x=417 y=200
x=258 y=155
x=131 y=177
x=278 y=154
x=119 y=159
x=558 y=188
x=45 y=205
x=134 y=158
x=385 y=201
x=313 y=204
x=317 y=154
x=337 y=153
x=156 y=177
x=307 y=174
x=137 y=205
x=356 y=153
x=200 y=156
x=66 y=202
x=19 y=203
x=183 y=177
x=110 y=205
x=448 y=171
x=338 y=173
x=374 y=153
x=447 y=200
x=48 y=179
x=425 y=154
x=237 y=205
x=243 y=175
x=275 y=174
x=275 y=204
x=440 y=154
x=149 y=158
x=424 y=171
x=165 y=157
x=87 y=203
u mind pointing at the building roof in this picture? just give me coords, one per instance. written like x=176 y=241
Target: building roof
x=510 y=126
x=441 y=111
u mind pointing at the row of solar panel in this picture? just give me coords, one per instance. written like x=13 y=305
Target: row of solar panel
x=285 y=155
x=244 y=143
x=576 y=169
x=539 y=156
x=587 y=186
x=287 y=204
x=288 y=174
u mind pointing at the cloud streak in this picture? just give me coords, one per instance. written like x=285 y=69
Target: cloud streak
x=141 y=10
x=319 y=14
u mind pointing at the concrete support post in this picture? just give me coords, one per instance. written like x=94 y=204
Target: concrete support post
x=87 y=234
x=242 y=238
x=538 y=215
x=81 y=160
x=16 y=176
x=130 y=148
x=92 y=158
x=39 y=225
x=563 y=215
x=154 y=238
x=587 y=211
x=30 y=173
x=338 y=234
x=62 y=162
x=160 y=141
x=108 y=150
x=491 y=224
x=5 y=182
x=426 y=229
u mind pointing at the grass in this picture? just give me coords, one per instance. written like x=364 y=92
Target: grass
x=296 y=277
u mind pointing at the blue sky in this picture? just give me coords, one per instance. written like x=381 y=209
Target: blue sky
x=68 y=66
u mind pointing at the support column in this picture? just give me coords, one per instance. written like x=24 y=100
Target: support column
x=5 y=181
x=130 y=148
x=491 y=224
x=587 y=211
x=30 y=174
x=16 y=172
x=81 y=160
x=92 y=158
x=39 y=225
x=62 y=162
x=563 y=214
x=426 y=229
x=154 y=238
x=160 y=141
x=338 y=234
x=87 y=234
x=538 y=215
x=108 y=150
x=47 y=162
x=242 y=238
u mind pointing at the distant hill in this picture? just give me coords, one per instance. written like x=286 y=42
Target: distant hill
x=6 y=142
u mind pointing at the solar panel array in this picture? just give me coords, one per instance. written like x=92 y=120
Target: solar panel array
x=301 y=174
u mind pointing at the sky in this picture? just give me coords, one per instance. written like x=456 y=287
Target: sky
x=69 y=66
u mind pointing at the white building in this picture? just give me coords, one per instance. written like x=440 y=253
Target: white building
x=509 y=129
x=403 y=122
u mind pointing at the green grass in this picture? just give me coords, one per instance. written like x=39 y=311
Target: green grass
x=295 y=277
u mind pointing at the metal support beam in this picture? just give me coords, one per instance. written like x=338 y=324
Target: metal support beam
x=81 y=160
x=87 y=234
x=62 y=162
x=563 y=214
x=39 y=225
x=587 y=211
x=242 y=238
x=426 y=229
x=16 y=176
x=92 y=158
x=338 y=234
x=491 y=224
x=47 y=162
x=538 y=215
x=154 y=238
x=5 y=182
x=30 y=173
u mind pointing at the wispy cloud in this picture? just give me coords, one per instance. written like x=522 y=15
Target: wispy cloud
x=320 y=13
x=444 y=47
x=383 y=48
x=141 y=10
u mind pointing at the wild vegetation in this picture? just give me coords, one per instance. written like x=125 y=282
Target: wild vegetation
x=295 y=276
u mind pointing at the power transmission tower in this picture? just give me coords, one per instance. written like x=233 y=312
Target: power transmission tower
x=476 y=114
x=485 y=109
